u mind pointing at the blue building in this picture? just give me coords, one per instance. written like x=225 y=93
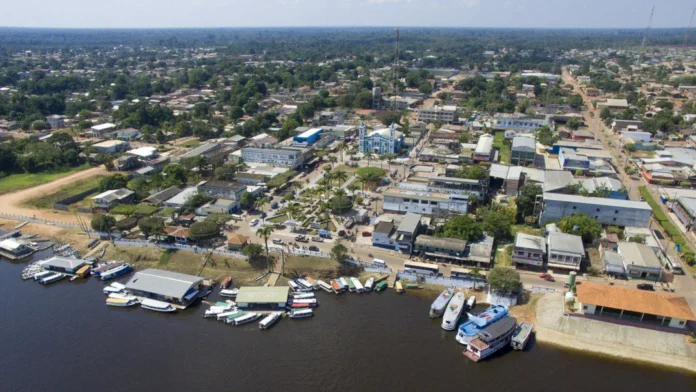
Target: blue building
x=569 y=160
x=381 y=141
x=309 y=136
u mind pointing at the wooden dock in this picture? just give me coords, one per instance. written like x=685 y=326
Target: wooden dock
x=392 y=280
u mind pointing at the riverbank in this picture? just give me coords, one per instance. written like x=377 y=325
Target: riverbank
x=604 y=338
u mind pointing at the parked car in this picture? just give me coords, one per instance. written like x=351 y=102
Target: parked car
x=645 y=286
x=278 y=241
x=253 y=222
x=313 y=248
x=547 y=277
x=301 y=238
x=366 y=234
x=317 y=239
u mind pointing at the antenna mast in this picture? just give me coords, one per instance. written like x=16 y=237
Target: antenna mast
x=645 y=36
x=686 y=32
x=396 y=70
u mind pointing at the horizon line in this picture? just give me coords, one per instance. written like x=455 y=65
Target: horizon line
x=342 y=27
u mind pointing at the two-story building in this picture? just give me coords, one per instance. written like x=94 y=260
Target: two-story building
x=603 y=210
x=451 y=250
x=529 y=250
x=640 y=261
x=523 y=150
x=223 y=190
x=285 y=157
x=443 y=114
x=484 y=149
x=565 y=251
x=426 y=203
x=685 y=209
x=383 y=235
x=407 y=231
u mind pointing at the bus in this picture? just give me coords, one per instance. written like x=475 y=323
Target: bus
x=674 y=265
x=415 y=267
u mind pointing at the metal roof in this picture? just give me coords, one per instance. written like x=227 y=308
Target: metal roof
x=441 y=242
x=566 y=243
x=384 y=227
x=523 y=143
x=63 y=262
x=557 y=179
x=529 y=241
x=114 y=194
x=182 y=196
x=499 y=171
x=484 y=144
x=410 y=223
x=308 y=133
x=638 y=254
x=164 y=283
x=263 y=295
x=598 y=201
x=161 y=196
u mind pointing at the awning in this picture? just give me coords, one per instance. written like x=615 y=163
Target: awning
x=191 y=295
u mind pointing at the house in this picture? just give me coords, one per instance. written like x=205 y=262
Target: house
x=286 y=157
x=613 y=265
x=309 y=136
x=128 y=134
x=381 y=141
x=162 y=196
x=224 y=189
x=111 y=198
x=63 y=264
x=237 y=242
x=614 y=105
x=646 y=233
x=143 y=153
x=218 y=206
x=529 y=250
x=582 y=135
x=640 y=261
x=382 y=235
x=565 y=251
x=407 y=231
x=424 y=202
x=520 y=122
x=570 y=160
x=593 y=92
x=172 y=287
x=480 y=253
x=180 y=198
x=263 y=140
x=450 y=250
x=111 y=146
x=484 y=149
x=56 y=121
x=443 y=114
x=102 y=130
x=605 y=211
x=126 y=163
x=639 y=306
x=637 y=136
x=626 y=125
x=176 y=234
x=523 y=150
x=263 y=298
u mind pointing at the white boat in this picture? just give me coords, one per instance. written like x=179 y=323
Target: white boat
x=229 y=293
x=324 y=286
x=344 y=283
x=223 y=315
x=471 y=302
x=293 y=285
x=42 y=274
x=369 y=284
x=302 y=295
x=52 y=278
x=309 y=301
x=304 y=283
x=215 y=310
x=122 y=296
x=358 y=286
x=121 y=302
x=269 y=320
x=118 y=286
x=157 y=306
x=521 y=336
x=491 y=339
x=301 y=313
x=453 y=312
x=116 y=272
x=247 y=318
x=111 y=290
x=437 y=309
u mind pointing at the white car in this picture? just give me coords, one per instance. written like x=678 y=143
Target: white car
x=278 y=241
x=253 y=222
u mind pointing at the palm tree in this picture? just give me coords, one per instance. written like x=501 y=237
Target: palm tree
x=341 y=176
x=259 y=203
x=341 y=147
x=476 y=274
x=292 y=210
x=297 y=186
x=340 y=193
x=353 y=186
x=265 y=233
x=333 y=159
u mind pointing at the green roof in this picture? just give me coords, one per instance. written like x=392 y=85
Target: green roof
x=263 y=295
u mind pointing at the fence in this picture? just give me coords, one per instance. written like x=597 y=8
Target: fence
x=64 y=203
x=192 y=248
x=496 y=299
x=40 y=221
x=440 y=280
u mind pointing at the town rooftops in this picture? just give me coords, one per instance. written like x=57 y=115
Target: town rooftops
x=598 y=201
x=523 y=143
x=200 y=150
x=417 y=195
x=114 y=194
x=441 y=242
x=163 y=283
x=557 y=179
x=143 y=152
x=11 y=244
x=103 y=127
x=110 y=143
x=633 y=300
x=410 y=223
x=162 y=196
x=263 y=295
x=481 y=251
x=62 y=262
x=182 y=196
x=308 y=133
x=384 y=227
x=565 y=243
x=528 y=241
x=638 y=254
x=176 y=231
x=611 y=102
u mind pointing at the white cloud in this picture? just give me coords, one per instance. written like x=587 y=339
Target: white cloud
x=471 y=3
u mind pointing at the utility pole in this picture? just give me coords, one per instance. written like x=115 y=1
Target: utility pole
x=396 y=71
x=645 y=37
x=688 y=28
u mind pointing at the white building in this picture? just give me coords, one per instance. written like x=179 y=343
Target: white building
x=102 y=129
x=285 y=157
x=426 y=203
x=443 y=114
x=381 y=141
x=519 y=122
x=565 y=251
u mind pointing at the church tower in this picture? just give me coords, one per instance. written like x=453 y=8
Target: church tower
x=362 y=137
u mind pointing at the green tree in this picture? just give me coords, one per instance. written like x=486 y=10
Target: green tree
x=526 y=200
x=473 y=172
x=103 y=223
x=265 y=233
x=151 y=226
x=339 y=253
x=195 y=200
x=545 y=136
x=573 y=124
x=462 y=227
x=247 y=200
x=582 y=225
x=497 y=220
x=253 y=252
x=116 y=181
x=225 y=173
x=605 y=113
x=505 y=281
x=205 y=230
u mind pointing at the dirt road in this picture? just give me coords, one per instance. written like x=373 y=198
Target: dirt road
x=11 y=203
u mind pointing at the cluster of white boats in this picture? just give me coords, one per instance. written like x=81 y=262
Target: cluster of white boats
x=228 y=313
x=41 y=272
x=117 y=295
x=483 y=333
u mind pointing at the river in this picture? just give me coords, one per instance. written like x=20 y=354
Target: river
x=62 y=337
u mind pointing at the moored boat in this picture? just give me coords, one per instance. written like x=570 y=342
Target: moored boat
x=229 y=292
x=121 y=302
x=369 y=284
x=471 y=302
x=312 y=282
x=475 y=323
x=336 y=287
x=381 y=285
x=324 y=286
x=116 y=272
x=302 y=295
x=521 y=336
x=42 y=274
x=52 y=278
x=269 y=320
x=304 y=283
x=299 y=306
x=344 y=283
x=122 y=296
x=351 y=285
x=358 y=286
x=235 y=315
x=491 y=339
x=225 y=283
x=83 y=272
x=213 y=311
x=437 y=309
x=398 y=287
x=247 y=318
x=157 y=306
x=105 y=267
x=301 y=313
x=225 y=315
x=293 y=285
x=453 y=311
x=309 y=301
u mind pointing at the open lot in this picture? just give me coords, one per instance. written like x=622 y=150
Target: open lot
x=19 y=181
x=46 y=201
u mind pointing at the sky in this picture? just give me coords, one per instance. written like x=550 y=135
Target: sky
x=304 y=13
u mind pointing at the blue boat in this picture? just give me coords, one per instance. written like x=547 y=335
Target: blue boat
x=475 y=323
x=116 y=272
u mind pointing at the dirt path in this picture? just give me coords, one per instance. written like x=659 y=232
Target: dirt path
x=11 y=203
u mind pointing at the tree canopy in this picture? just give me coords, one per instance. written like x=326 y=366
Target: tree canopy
x=463 y=227
x=205 y=230
x=103 y=223
x=504 y=281
x=582 y=225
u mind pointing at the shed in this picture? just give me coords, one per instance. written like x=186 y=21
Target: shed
x=262 y=298
x=173 y=287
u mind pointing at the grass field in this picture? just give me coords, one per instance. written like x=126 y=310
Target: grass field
x=19 y=181
x=47 y=201
x=281 y=179
x=671 y=230
x=138 y=210
x=502 y=146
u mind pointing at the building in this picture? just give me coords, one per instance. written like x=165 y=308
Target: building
x=614 y=105
x=56 y=121
x=605 y=211
x=626 y=125
x=177 y=234
x=523 y=150
x=216 y=152
x=237 y=242
x=572 y=161
x=648 y=307
x=128 y=134
x=263 y=140
x=382 y=235
x=450 y=185
x=443 y=114
x=180 y=198
x=111 y=198
x=381 y=141
x=518 y=122
x=160 y=197
x=451 y=250
x=223 y=189
x=286 y=157
x=309 y=136
x=218 y=206
x=480 y=253
x=172 y=287
x=613 y=265
x=144 y=153
x=637 y=136
x=15 y=248
x=640 y=261
x=407 y=231
x=565 y=251
x=102 y=130
x=426 y=203
x=529 y=250
x=685 y=209
x=611 y=187
x=484 y=149
x=111 y=146
x=263 y=298
x=63 y=264
x=582 y=135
